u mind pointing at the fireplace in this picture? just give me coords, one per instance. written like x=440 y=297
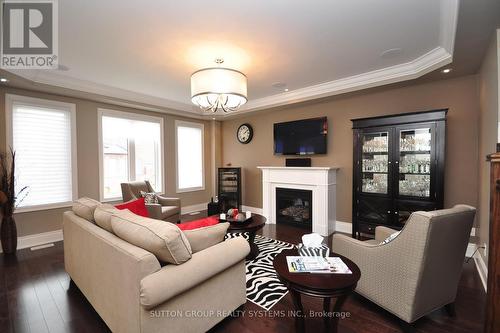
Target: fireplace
x=294 y=206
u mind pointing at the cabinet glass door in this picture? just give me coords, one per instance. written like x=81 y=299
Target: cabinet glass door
x=415 y=156
x=375 y=162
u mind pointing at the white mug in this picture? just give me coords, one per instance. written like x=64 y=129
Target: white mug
x=248 y=214
x=222 y=216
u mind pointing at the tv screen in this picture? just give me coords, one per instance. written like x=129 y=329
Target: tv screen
x=301 y=137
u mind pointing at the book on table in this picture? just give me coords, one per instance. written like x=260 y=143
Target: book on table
x=321 y=265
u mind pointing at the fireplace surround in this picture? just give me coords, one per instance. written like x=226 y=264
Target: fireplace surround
x=321 y=181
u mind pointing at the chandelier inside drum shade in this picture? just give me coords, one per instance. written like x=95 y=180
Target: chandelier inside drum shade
x=218 y=88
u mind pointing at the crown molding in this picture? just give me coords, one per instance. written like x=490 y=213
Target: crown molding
x=426 y=63
x=53 y=78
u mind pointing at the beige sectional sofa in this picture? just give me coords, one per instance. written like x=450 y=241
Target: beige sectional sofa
x=133 y=292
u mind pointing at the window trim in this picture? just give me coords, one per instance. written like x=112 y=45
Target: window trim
x=101 y=112
x=182 y=123
x=10 y=101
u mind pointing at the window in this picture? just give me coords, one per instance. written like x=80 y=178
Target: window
x=189 y=151
x=131 y=148
x=43 y=135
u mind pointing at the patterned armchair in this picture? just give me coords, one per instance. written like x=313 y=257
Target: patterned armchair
x=168 y=209
x=419 y=270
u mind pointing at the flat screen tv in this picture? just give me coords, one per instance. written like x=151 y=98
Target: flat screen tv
x=301 y=137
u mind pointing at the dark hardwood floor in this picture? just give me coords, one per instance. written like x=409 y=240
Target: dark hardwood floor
x=36 y=296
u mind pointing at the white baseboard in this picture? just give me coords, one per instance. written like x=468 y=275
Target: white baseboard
x=24 y=242
x=194 y=208
x=482 y=269
x=471 y=248
x=343 y=227
x=252 y=209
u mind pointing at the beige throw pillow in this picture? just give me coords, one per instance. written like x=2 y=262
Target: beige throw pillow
x=202 y=238
x=85 y=207
x=164 y=239
x=102 y=216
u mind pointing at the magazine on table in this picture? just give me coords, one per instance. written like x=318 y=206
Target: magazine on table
x=321 y=265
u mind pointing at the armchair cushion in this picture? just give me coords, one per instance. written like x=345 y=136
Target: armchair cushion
x=164 y=201
x=173 y=280
x=165 y=240
x=135 y=206
x=167 y=211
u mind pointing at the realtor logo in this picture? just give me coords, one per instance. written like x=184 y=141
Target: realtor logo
x=29 y=34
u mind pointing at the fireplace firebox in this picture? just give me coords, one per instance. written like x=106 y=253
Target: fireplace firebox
x=294 y=206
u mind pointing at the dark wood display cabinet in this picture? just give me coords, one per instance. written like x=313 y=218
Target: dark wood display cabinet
x=229 y=188
x=398 y=168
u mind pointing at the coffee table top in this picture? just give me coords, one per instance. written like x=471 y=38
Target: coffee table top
x=316 y=283
x=258 y=221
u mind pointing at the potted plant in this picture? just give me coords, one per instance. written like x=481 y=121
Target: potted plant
x=9 y=200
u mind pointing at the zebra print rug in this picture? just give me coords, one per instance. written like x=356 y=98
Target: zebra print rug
x=263 y=286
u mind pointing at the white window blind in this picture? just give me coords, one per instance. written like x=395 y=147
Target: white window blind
x=190 y=175
x=131 y=149
x=42 y=139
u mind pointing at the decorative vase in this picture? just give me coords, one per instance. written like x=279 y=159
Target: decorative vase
x=8 y=235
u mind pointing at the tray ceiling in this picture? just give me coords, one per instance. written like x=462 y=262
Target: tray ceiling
x=145 y=52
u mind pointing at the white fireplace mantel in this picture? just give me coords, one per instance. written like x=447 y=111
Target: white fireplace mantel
x=321 y=181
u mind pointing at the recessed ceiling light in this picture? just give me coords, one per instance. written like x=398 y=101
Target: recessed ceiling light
x=446 y=70
x=279 y=85
x=286 y=89
x=391 y=53
x=3 y=80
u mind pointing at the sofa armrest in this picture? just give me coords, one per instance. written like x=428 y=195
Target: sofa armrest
x=154 y=211
x=164 y=201
x=172 y=280
x=381 y=233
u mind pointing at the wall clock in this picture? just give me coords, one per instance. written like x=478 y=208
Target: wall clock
x=244 y=133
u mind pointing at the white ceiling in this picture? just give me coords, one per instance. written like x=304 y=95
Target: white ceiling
x=146 y=51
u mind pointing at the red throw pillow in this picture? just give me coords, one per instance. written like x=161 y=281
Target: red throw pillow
x=206 y=222
x=135 y=206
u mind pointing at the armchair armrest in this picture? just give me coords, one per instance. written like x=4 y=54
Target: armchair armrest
x=172 y=280
x=154 y=211
x=342 y=244
x=164 y=201
x=381 y=233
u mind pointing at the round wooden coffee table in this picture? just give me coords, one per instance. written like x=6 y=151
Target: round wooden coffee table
x=326 y=286
x=257 y=223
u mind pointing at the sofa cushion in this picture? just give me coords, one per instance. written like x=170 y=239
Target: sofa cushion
x=164 y=239
x=205 y=222
x=137 y=206
x=102 y=216
x=202 y=238
x=85 y=207
x=167 y=211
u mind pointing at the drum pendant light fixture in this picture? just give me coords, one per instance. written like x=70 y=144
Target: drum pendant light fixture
x=218 y=88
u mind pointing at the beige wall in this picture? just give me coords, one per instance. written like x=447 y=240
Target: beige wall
x=488 y=131
x=87 y=155
x=459 y=95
